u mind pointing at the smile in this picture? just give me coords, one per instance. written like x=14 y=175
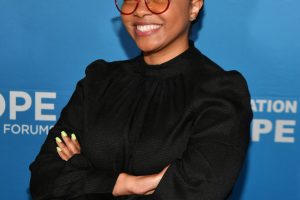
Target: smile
x=148 y=27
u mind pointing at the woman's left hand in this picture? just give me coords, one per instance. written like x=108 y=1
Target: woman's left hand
x=67 y=147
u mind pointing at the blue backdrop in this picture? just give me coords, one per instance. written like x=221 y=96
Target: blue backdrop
x=46 y=45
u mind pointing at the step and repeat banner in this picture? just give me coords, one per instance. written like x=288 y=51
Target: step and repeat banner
x=45 y=47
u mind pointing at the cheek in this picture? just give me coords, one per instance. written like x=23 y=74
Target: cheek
x=126 y=22
x=130 y=30
x=178 y=24
x=177 y=15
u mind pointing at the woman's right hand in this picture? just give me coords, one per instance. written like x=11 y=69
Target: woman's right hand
x=67 y=147
x=140 y=185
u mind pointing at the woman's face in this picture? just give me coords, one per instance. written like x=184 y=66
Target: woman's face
x=159 y=32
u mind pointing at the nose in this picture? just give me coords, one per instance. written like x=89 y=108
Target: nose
x=141 y=9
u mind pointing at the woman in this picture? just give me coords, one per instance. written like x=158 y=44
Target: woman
x=169 y=124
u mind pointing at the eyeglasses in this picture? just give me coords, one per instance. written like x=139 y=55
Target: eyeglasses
x=127 y=7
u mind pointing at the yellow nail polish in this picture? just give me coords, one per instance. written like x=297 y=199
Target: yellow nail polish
x=64 y=134
x=73 y=137
x=58 y=140
x=58 y=149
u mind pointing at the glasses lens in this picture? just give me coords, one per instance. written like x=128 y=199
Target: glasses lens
x=126 y=6
x=158 y=6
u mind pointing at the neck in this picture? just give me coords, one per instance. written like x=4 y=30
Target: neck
x=165 y=54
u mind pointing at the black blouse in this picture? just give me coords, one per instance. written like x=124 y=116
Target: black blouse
x=137 y=118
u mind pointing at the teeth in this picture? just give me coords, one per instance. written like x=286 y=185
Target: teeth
x=144 y=28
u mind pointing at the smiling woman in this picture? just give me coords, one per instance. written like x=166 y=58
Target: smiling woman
x=168 y=124
x=161 y=36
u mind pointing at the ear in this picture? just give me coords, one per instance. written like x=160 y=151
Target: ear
x=195 y=7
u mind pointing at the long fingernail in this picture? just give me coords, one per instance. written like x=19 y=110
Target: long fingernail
x=58 y=140
x=64 y=134
x=73 y=137
x=58 y=149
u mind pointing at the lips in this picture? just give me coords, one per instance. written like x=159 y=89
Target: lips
x=146 y=29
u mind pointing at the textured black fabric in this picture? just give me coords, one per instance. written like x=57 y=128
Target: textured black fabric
x=138 y=118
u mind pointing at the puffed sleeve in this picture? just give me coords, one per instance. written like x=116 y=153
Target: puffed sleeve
x=54 y=178
x=218 y=144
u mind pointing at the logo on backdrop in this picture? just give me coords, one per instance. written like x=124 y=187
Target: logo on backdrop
x=27 y=113
x=274 y=119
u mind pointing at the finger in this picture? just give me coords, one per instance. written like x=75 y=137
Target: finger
x=63 y=147
x=75 y=141
x=165 y=169
x=69 y=143
x=150 y=192
x=61 y=154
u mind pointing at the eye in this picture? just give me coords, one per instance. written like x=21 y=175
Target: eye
x=159 y=1
x=130 y=1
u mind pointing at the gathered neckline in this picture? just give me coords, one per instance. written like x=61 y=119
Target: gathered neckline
x=174 y=66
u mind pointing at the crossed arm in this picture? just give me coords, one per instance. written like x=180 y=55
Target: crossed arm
x=207 y=169
x=126 y=184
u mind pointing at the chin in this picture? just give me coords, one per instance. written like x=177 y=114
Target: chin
x=147 y=47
